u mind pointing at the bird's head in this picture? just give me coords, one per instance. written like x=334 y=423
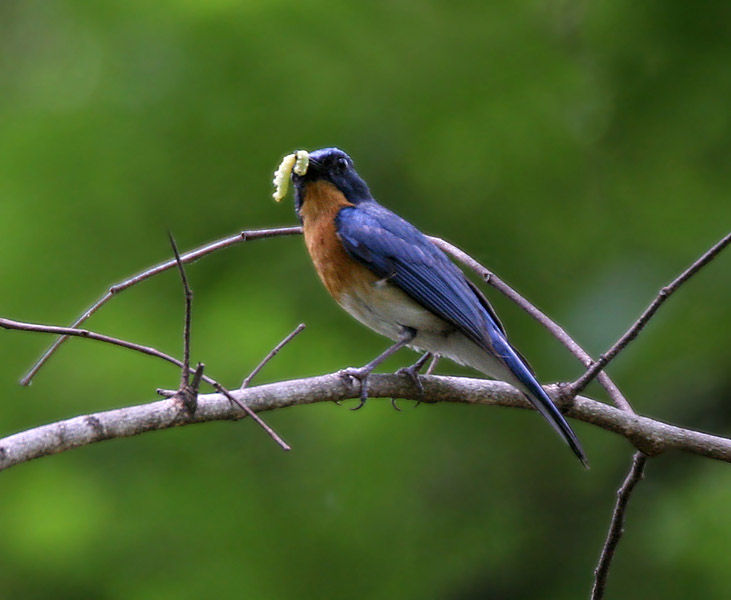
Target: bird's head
x=329 y=166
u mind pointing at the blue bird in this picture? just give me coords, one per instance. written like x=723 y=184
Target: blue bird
x=389 y=276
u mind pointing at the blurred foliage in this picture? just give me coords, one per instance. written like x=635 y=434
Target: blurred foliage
x=579 y=149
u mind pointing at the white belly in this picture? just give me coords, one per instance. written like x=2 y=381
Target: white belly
x=387 y=310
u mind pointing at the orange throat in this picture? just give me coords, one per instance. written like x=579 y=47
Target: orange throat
x=340 y=273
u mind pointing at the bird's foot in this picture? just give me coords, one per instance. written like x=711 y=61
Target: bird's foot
x=412 y=373
x=361 y=374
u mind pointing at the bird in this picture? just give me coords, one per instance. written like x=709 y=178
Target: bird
x=389 y=276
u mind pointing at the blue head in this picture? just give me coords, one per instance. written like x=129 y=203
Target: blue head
x=333 y=166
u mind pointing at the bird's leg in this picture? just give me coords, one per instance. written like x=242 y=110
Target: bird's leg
x=413 y=370
x=433 y=365
x=412 y=373
x=362 y=373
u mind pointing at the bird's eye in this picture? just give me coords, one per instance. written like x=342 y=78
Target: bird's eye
x=342 y=164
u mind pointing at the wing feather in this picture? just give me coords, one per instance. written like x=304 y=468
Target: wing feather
x=393 y=248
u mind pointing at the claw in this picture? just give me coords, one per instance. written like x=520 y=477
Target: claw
x=362 y=376
x=432 y=365
x=412 y=373
x=362 y=373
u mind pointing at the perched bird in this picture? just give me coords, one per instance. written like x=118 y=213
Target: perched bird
x=390 y=277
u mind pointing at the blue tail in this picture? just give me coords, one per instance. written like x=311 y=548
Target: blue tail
x=537 y=395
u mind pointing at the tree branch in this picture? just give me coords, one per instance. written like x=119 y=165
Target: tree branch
x=272 y=353
x=650 y=436
x=580 y=384
x=188 y=296
x=616 y=527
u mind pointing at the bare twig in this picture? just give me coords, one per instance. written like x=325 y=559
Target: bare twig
x=616 y=527
x=252 y=414
x=272 y=353
x=187 y=393
x=554 y=328
x=581 y=383
x=651 y=436
x=188 y=293
x=188 y=257
x=195 y=383
x=84 y=333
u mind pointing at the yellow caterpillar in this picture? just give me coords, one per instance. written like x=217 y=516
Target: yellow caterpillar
x=297 y=162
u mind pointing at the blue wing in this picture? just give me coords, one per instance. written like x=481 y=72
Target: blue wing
x=393 y=248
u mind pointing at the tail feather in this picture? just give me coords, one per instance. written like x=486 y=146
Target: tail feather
x=537 y=396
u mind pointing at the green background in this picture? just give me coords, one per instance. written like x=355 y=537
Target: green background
x=579 y=149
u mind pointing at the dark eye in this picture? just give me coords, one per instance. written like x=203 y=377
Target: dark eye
x=342 y=164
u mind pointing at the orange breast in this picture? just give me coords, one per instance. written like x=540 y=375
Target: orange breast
x=340 y=273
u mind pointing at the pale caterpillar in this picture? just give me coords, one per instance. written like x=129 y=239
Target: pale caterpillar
x=297 y=162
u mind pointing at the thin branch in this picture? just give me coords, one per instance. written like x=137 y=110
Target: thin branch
x=272 y=353
x=188 y=294
x=84 y=333
x=554 y=328
x=188 y=257
x=91 y=335
x=650 y=436
x=616 y=527
x=233 y=399
x=581 y=383
x=195 y=383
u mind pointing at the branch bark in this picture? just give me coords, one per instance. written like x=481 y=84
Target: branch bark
x=649 y=436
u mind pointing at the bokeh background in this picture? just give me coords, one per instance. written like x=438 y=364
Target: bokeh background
x=580 y=149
